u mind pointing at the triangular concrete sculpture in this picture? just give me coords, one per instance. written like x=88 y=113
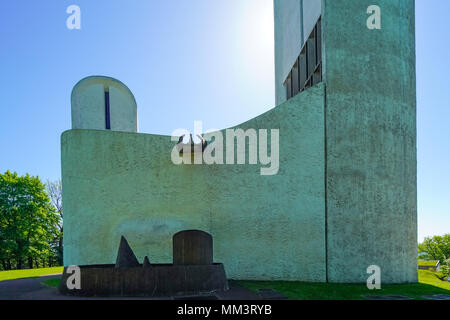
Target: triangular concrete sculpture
x=146 y=263
x=125 y=256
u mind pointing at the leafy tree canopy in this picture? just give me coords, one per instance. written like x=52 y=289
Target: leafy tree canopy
x=435 y=248
x=28 y=220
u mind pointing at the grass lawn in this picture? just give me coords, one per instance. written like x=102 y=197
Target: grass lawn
x=427 y=263
x=54 y=282
x=28 y=273
x=429 y=284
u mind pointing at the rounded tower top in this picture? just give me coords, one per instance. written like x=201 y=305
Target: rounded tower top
x=103 y=103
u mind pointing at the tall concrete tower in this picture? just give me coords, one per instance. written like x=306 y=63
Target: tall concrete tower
x=364 y=53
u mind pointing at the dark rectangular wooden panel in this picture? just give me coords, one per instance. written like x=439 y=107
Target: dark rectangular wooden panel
x=303 y=70
x=311 y=49
x=288 y=88
x=317 y=76
x=319 y=41
x=295 y=83
x=308 y=83
x=306 y=71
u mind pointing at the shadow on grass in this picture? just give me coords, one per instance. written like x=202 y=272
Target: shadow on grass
x=332 y=291
x=429 y=285
x=54 y=282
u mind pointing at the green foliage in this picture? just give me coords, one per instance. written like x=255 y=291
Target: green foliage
x=28 y=221
x=435 y=248
x=427 y=263
x=445 y=269
x=54 y=191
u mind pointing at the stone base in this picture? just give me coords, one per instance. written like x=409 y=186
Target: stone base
x=159 y=280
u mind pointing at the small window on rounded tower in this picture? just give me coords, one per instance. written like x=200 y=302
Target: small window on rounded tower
x=107 y=110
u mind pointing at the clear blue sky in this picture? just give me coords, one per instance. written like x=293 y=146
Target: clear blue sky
x=185 y=60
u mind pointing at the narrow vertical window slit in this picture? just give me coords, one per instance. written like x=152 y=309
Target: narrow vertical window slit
x=107 y=111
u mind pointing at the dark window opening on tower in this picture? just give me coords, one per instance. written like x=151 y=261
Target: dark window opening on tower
x=307 y=69
x=107 y=111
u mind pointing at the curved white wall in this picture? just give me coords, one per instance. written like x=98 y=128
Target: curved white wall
x=88 y=105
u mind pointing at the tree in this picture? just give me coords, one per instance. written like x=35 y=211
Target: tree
x=445 y=269
x=54 y=190
x=435 y=248
x=28 y=221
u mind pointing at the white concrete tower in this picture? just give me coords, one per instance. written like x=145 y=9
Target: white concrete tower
x=103 y=103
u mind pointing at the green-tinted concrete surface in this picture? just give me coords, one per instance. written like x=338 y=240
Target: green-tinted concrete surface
x=264 y=227
x=344 y=198
x=371 y=141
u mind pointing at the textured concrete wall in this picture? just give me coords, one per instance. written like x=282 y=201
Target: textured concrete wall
x=288 y=42
x=264 y=227
x=88 y=105
x=312 y=9
x=371 y=141
x=294 y=19
x=344 y=197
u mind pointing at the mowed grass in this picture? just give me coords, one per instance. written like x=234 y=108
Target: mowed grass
x=54 y=282
x=431 y=278
x=429 y=284
x=29 y=273
x=427 y=263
